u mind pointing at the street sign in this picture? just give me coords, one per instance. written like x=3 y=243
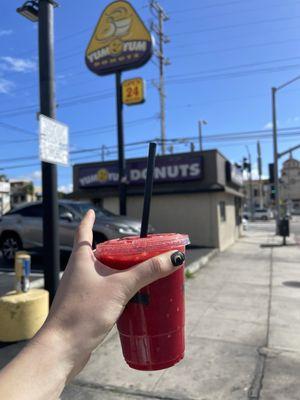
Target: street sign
x=120 y=41
x=54 y=141
x=133 y=91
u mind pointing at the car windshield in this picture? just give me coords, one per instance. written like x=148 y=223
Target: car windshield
x=82 y=208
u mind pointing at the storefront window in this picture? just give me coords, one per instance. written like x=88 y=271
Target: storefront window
x=223 y=211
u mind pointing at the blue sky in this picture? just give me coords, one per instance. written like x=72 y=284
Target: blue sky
x=225 y=57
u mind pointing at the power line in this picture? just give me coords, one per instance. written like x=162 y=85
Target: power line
x=96 y=96
x=234 y=12
x=250 y=46
x=242 y=25
x=225 y=136
x=230 y=3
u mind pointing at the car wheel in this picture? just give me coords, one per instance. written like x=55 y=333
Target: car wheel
x=10 y=244
x=98 y=238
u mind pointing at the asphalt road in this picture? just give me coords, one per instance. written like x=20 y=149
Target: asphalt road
x=269 y=226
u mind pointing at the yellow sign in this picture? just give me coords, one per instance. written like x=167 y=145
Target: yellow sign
x=133 y=91
x=120 y=41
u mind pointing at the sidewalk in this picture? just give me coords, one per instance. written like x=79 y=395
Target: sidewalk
x=243 y=335
x=242 y=331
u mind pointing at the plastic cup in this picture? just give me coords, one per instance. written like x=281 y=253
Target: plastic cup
x=151 y=327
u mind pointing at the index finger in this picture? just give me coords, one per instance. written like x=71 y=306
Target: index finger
x=84 y=233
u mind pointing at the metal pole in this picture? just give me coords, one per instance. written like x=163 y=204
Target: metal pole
x=250 y=183
x=121 y=161
x=251 y=188
x=275 y=156
x=200 y=135
x=49 y=171
x=260 y=175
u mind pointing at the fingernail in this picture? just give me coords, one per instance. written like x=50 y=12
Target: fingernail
x=177 y=258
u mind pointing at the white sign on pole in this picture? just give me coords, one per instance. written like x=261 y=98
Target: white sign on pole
x=54 y=141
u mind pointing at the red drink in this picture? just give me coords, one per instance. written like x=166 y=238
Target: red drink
x=151 y=327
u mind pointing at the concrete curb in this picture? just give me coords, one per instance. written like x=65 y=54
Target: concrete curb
x=195 y=266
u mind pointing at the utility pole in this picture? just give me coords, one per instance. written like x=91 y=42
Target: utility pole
x=200 y=122
x=49 y=171
x=275 y=157
x=259 y=164
x=161 y=17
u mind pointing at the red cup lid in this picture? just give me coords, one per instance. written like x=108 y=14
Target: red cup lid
x=158 y=243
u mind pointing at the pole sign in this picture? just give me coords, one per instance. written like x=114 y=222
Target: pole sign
x=54 y=141
x=133 y=91
x=120 y=41
x=178 y=168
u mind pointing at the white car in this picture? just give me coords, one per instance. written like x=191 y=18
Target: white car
x=262 y=214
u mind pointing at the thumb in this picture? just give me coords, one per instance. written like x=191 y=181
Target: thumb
x=153 y=269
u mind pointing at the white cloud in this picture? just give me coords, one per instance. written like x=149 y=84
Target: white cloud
x=5 y=32
x=268 y=125
x=255 y=175
x=66 y=188
x=18 y=64
x=293 y=120
x=6 y=85
x=36 y=174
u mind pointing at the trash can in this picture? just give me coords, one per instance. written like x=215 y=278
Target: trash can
x=284 y=227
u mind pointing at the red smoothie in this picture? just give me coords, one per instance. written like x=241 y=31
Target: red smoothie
x=151 y=328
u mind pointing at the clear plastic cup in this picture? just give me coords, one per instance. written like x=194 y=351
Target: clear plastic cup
x=151 y=328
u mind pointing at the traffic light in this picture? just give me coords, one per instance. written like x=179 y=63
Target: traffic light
x=246 y=165
x=271 y=172
x=273 y=192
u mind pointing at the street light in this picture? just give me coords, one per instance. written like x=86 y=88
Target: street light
x=30 y=10
x=42 y=11
x=200 y=133
x=274 y=90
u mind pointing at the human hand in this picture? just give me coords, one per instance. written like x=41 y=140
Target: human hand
x=92 y=296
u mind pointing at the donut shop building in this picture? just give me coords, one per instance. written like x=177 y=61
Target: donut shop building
x=198 y=193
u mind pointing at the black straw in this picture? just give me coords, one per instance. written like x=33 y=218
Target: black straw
x=148 y=190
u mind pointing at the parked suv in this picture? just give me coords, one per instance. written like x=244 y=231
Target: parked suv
x=21 y=228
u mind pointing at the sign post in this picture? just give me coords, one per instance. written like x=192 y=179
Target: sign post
x=120 y=42
x=49 y=171
x=121 y=155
